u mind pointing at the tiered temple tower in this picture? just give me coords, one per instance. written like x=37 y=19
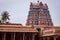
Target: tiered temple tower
x=39 y=15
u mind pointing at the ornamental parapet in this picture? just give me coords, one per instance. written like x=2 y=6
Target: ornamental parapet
x=51 y=31
x=48 y=32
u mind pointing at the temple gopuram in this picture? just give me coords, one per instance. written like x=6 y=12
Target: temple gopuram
x=39 y=26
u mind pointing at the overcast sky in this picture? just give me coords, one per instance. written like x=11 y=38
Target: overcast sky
x=18 y=10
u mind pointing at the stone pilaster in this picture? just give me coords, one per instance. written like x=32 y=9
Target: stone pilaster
x=48 y=38
x=4 y=36
x=55 y=38
x=29 y=37
x=43 y=38
x=33 y=36
x=23 y=36
x=13 y=36
x=40 y=38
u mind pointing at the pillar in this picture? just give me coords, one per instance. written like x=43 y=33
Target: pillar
x=4 y=36
x=23 y=36
x=43 y=38
x=13 y=36
x=40 y=38
x=20 y=36
x=48 y=38
x=55 y=38
x=29 y=36
x=33 y=37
